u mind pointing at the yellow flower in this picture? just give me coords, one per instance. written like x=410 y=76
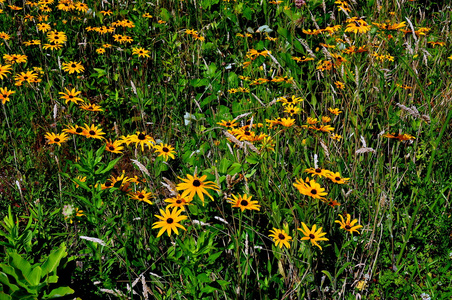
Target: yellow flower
x=70 y=95
x=312 y=235
x=280 y=237
x=310 y=188
x=93 y=132
x=53 y=138
x=336 y=177
x=114 y=147
x=194 y=185
x=243 y=202
x=73 y=66
x=4 y=94
x=347 y=225
x=334 y=111
x=169 y=221
x=165 y=151
x=140 y=52
x=178 y=202
x=141 y=196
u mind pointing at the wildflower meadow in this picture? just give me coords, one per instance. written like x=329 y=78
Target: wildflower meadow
x=225 y=149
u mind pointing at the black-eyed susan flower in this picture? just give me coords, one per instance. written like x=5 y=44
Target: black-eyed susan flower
x=291 y=109
x=74 y=130
x=28 y=76
x=280 y=237
x=169 y=221
x=267 y=144
x=141 y=138
x=178 y=201
x=106 y=12
x=141 y=196
x=114 y=147
x=52 y=46
x=292 y=100
x=100 y=50
x=4 y=94
x=336 y=137
x=326 y=119
x=243 y=202
x=334 y=111
x=332 y=203
x=347 y=224
x=73 y=66
x=15 y=58
x=287 y=122
x=356 y=25
x=165 y=151
x=4 y=35
x=196 y=185
x=141 y=52
x=71 y=96
x=90 y=107
x=93 y=132
x=53 y=138
x=318 y=171
x=310 y=188
x=228 y=124
x=57 y=37
x=325 y=128
x=336 y=178
x=4 y=69
x=312 y=235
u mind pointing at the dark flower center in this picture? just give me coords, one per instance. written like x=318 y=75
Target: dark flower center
x=107 y=184
x=337 y=178
x=347 y=227
x=313 y=191
x=73 y=66
x=228 y=124
x=164 y=149
x=92 y=132
x=244 y=203
x=25 y=77
x=178 y=201
x=79 y=130
x=311 y=236
x=196 y=183
x=141 y=137
x=111 y=148
x=56 y=37
x=140 y=196
x=318 y=170
x=71 y=96
x=57 y=140
x=281 y=236
x=169 y=220
x=247 y=133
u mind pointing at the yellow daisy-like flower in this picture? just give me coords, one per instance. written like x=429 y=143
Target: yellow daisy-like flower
x=73 y=66
x=71 y=95
x=194 y=185
x=169 y=221
x=280 y=237
x=243 y=202
x=141 y=196
x=15 y=58
x=165 y=151
x=348 y=225
x=93 y=132
x=334 y=111
x=178 y=201
x=228 y=124
x=287 y=101
x=287 y=122
x=291 y=110
x=310 y=188
x=319 y=172
x=114 y=147
x=313 y=235
x=91 y=107
x=74 y=130
x=4 y=69
x=140 y=138
x=53 y=138
x=336 y=177
x=4 y=94
x=140 y=52
x=336 y=137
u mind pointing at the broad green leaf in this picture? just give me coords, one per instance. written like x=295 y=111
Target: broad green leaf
x=53 y=260
x=59 y=292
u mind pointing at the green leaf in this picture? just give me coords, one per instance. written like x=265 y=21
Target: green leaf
x=59 y=292
x=4 y=296
x=224 y=165
x=34 y=277
x=53 y=260
x=111 y=165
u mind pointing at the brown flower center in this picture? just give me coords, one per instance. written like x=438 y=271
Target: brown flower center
x=347 y=227
x=111 y=148
x=57 y=140
x=244 y=203
x=107 y=184
x=169 y=220
x=71 y=96
x=92 y=132
x=247 y=133
x=313 y=191
x=141 y=196
x=73 y=66
x=337 y=178
x=164 y=149
x=196 y=183
x=281 y=236
x=141 y=137
x=311 y=236
x=318 y=170
x=79 y=130
x=178 y=201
